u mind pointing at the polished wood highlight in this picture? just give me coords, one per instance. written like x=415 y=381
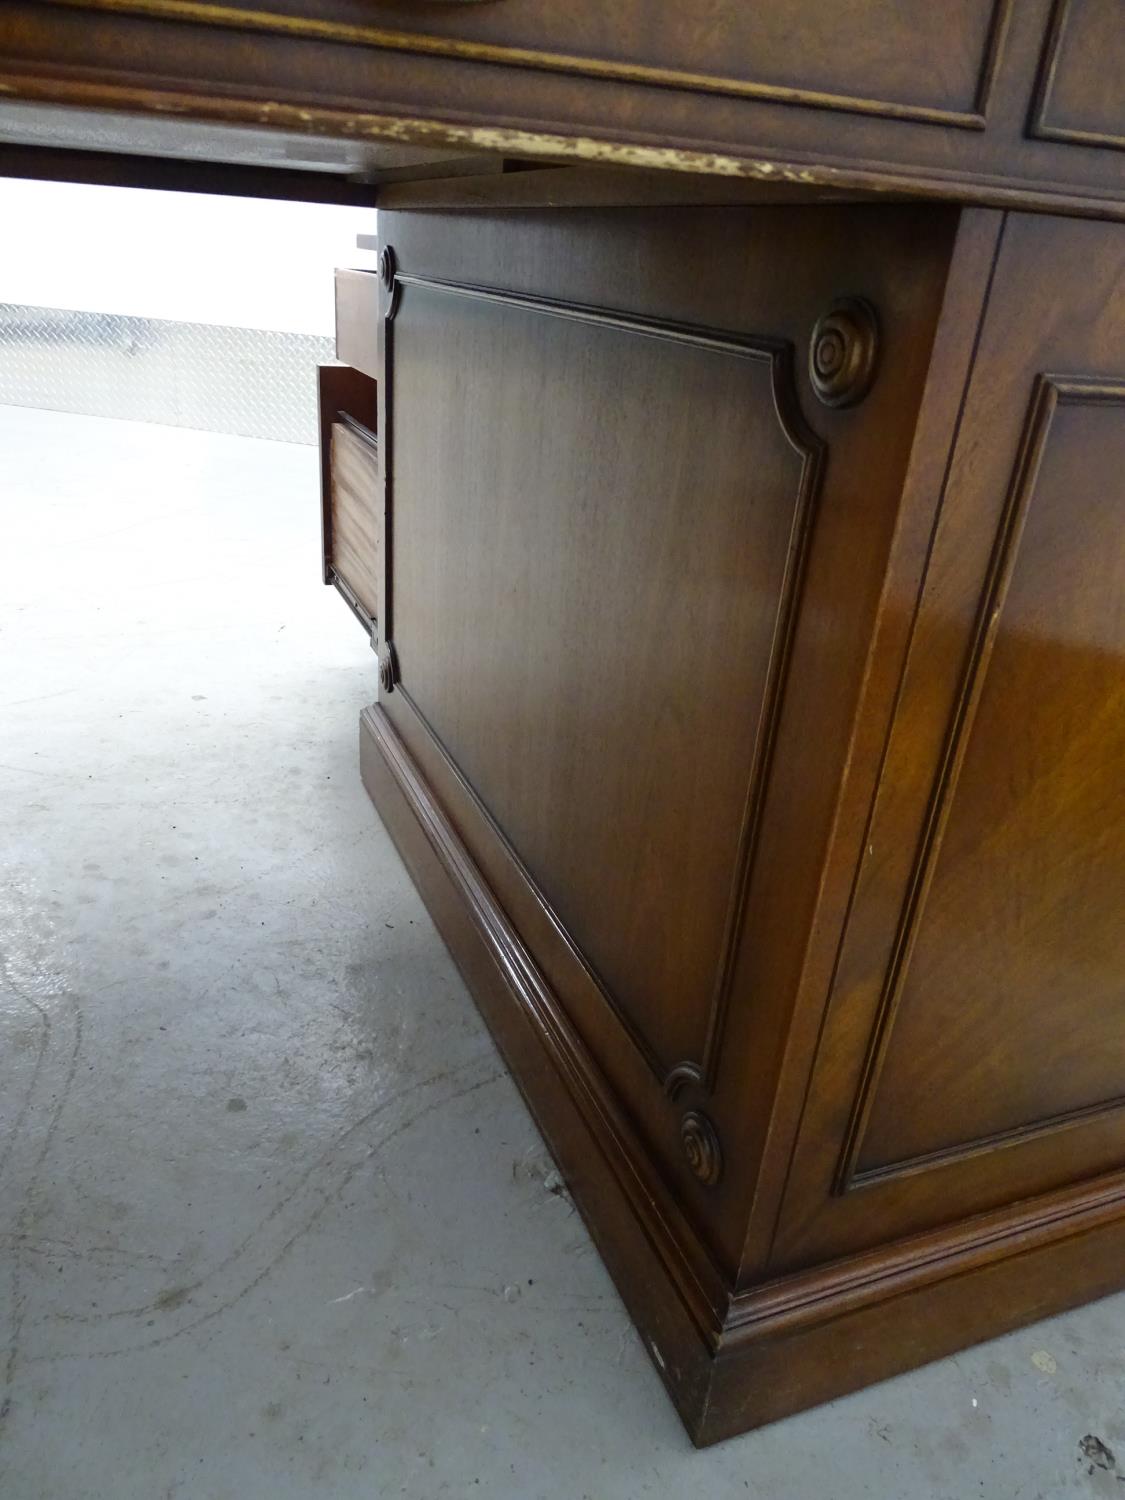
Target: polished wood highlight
x=971 y=1053
x=728 y=1363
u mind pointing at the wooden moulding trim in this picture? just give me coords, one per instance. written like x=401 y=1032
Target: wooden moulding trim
x=1049 y=393
x=326 y=414
x=200 y=12
x=827 y=1292
x=1038 y=125
x=776 y=355
x=614 y=147
x=802 y=1299
x=701 y=1286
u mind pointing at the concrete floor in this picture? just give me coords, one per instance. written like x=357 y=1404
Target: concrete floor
x=273 y=1220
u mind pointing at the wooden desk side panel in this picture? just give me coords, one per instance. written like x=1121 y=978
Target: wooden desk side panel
x=972 y=1055
x=632 y=590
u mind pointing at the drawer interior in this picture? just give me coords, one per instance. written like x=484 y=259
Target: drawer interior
x=350 y=488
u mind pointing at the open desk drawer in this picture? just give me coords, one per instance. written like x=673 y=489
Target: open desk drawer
x=350 y=488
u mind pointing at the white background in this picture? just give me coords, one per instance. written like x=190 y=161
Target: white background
x=244 y=262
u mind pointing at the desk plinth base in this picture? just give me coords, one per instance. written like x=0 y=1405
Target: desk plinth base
x=792 y=1343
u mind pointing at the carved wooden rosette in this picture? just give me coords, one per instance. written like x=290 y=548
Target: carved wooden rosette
x=844 y=351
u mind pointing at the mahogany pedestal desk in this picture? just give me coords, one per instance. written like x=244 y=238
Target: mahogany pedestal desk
x=737 y=505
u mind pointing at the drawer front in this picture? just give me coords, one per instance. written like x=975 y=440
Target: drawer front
x=354 y=548
x=904 y=58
